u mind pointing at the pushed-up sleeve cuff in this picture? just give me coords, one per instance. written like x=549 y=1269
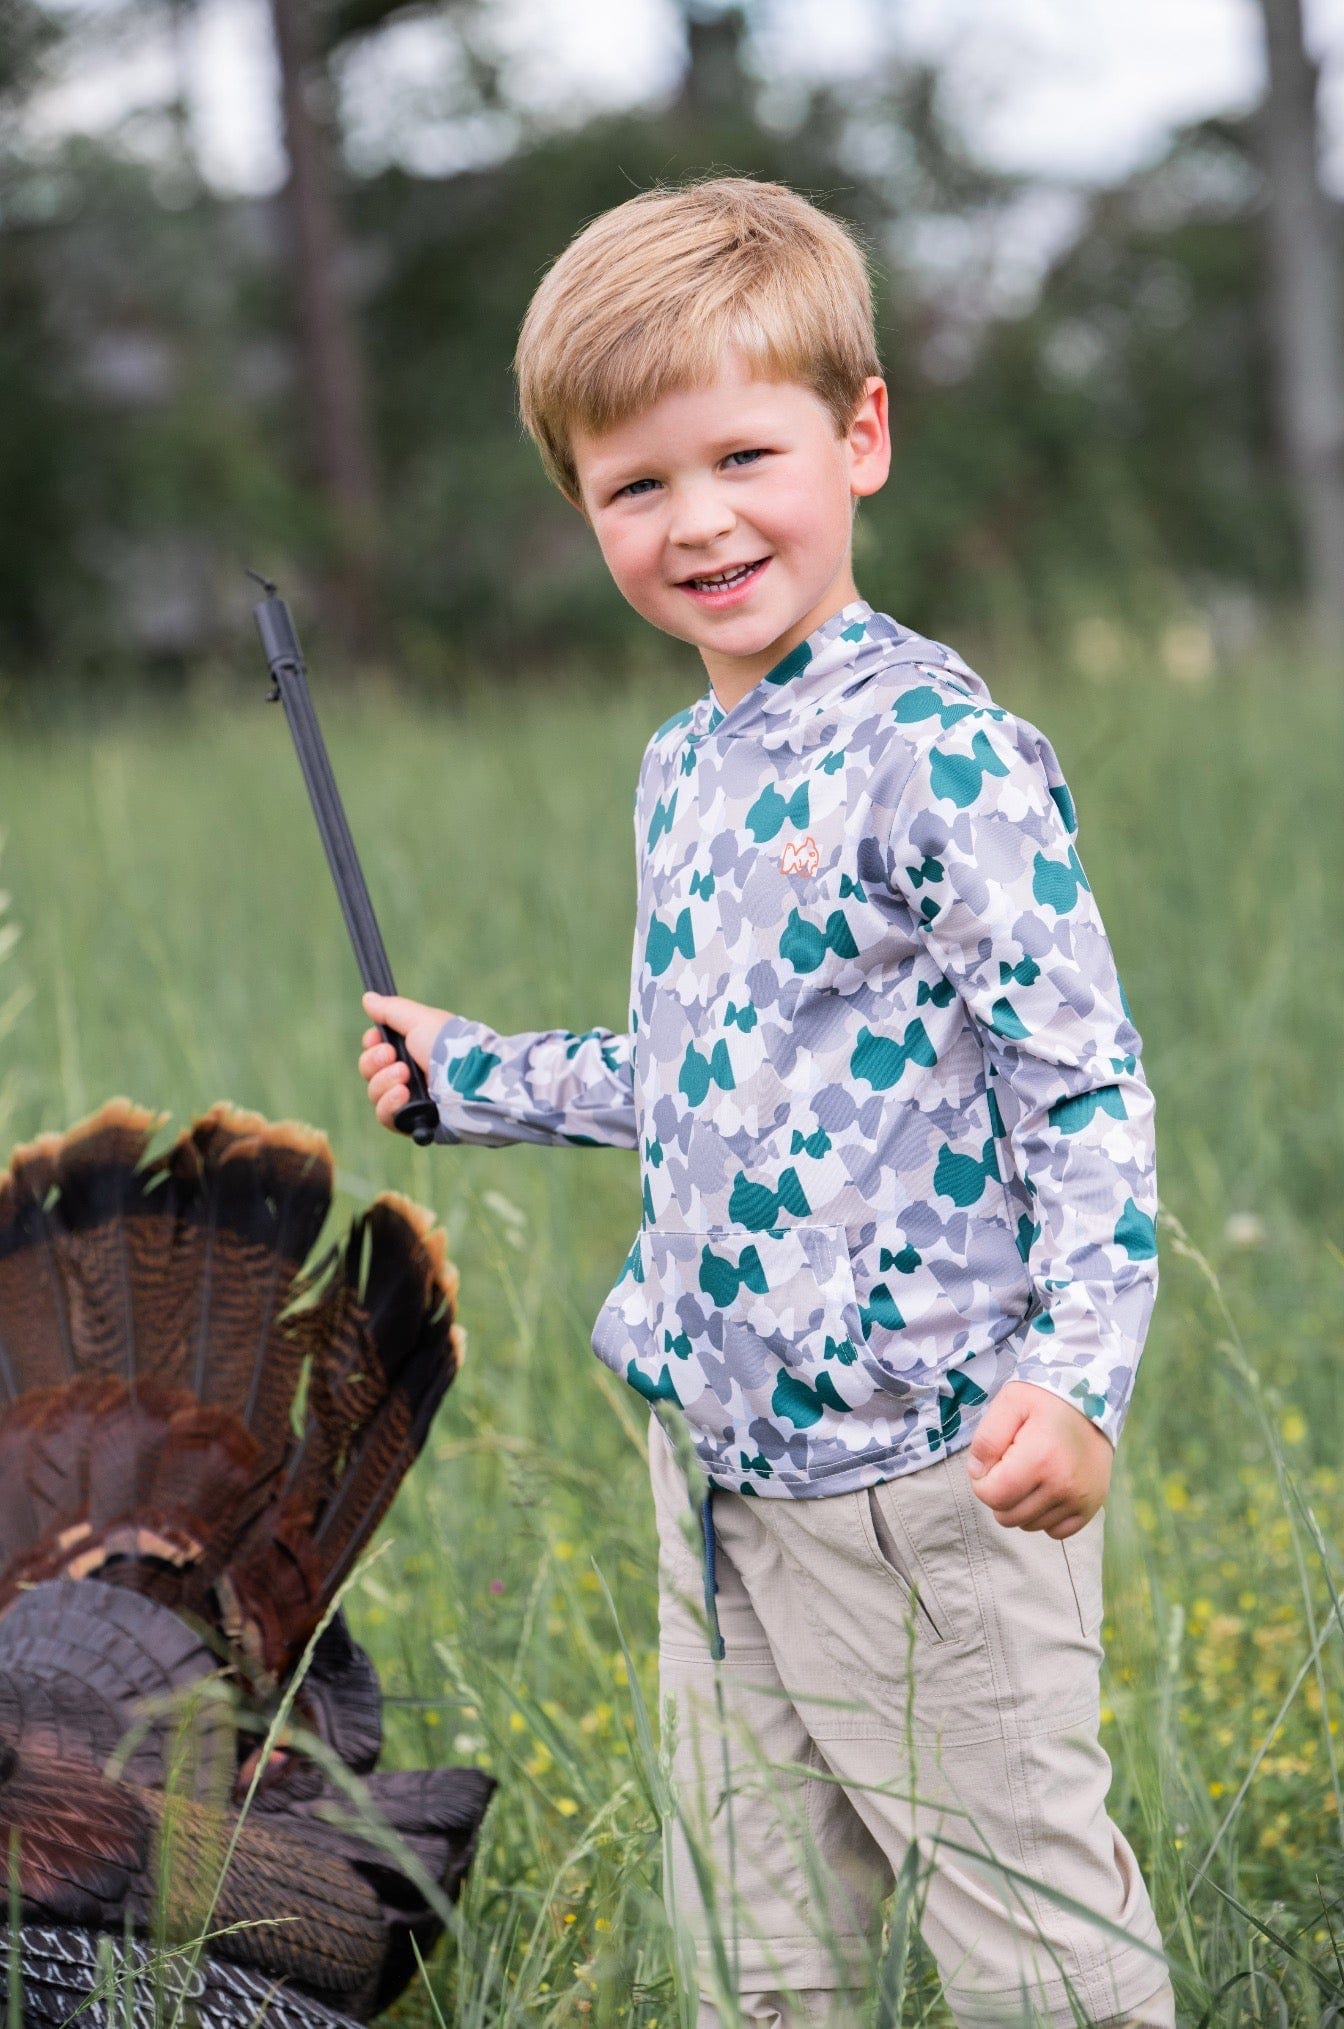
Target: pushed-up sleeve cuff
x=549 y=1085
x=1082 y=1345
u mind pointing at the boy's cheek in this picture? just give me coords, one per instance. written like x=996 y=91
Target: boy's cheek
x=627 y=558
x=641 y=579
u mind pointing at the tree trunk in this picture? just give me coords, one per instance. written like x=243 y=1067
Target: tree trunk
x=333 y=389
x=1307 y=303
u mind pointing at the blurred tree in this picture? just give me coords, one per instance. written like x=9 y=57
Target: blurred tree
x=481 y=549
x=1111 y=448
x=180 y=13
x=27 y=33
x=714 y=85
x=38 y=435
x=39 y=420
x=1103 y=442
x=1306 y=308
x=331 y=378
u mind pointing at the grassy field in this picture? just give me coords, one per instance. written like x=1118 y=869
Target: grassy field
x=180 y=943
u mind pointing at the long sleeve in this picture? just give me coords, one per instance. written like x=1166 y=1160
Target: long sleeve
x=547 y=1086
x=982 y=849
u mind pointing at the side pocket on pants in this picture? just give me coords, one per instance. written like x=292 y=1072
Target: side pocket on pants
x=897 y=1558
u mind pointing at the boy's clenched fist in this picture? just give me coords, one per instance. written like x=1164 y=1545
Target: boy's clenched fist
x=1037 y=1463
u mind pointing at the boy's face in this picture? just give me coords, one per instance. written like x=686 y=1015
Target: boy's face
x=739 y=476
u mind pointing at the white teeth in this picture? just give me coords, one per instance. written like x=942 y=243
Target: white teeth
x=723 y=578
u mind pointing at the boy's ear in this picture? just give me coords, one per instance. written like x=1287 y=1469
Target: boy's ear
x=870 y=440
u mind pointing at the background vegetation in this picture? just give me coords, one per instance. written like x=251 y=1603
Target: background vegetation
x=1105 y=443
x=180 y=941
x=1099 y=496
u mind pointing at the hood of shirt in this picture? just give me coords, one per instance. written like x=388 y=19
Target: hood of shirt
x=836 y=660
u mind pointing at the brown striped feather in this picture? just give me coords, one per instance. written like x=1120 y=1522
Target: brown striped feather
x=384 y=1350
x=268 y=1188
x=155 y=1317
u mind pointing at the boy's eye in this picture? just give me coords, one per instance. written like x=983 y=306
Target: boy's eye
x=637 y=488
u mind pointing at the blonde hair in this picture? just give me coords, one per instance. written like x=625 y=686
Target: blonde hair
x=645 y=299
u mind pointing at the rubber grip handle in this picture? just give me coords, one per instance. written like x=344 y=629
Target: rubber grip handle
x=419 y=1117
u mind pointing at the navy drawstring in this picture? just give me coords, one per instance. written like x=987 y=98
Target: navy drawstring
x=716 y=1647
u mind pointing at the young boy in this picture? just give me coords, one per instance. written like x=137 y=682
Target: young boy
x=897 y=1254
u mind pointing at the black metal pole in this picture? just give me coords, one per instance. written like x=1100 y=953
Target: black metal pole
x=419 y=1117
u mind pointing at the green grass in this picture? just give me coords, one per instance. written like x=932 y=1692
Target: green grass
x=181 y=943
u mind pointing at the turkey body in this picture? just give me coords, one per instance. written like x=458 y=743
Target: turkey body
x=199 y=1433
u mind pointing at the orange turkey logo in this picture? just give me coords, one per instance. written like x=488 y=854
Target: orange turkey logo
x=800 y=856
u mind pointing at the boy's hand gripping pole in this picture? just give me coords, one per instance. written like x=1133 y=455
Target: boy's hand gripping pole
x=419 y=1117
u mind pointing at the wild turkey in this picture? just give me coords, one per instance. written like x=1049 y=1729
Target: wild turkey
x=197 y=1438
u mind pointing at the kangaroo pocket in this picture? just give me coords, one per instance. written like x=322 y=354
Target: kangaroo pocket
x=767 y=1324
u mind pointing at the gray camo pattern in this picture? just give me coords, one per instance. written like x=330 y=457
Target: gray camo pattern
x=896 y=1144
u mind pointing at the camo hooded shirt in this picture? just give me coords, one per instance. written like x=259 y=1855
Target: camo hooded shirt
x=896 y=1147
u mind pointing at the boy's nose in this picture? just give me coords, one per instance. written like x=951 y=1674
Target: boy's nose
x=700 y=518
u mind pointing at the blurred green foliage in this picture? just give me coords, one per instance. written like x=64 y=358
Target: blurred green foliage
x=1106 y=449
x=181 y=943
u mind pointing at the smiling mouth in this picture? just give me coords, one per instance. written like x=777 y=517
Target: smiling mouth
x=722 y=581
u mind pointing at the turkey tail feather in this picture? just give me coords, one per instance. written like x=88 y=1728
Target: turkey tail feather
x=382 y=1349
x=159 y=1333
x=199 y=1431
x=35 y=1303
x=173 y=1270
x=404 y=1305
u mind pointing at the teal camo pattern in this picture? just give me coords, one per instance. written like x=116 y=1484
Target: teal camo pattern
x=896 y=1145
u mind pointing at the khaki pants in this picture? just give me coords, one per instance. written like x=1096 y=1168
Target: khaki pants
x=907 y=1686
